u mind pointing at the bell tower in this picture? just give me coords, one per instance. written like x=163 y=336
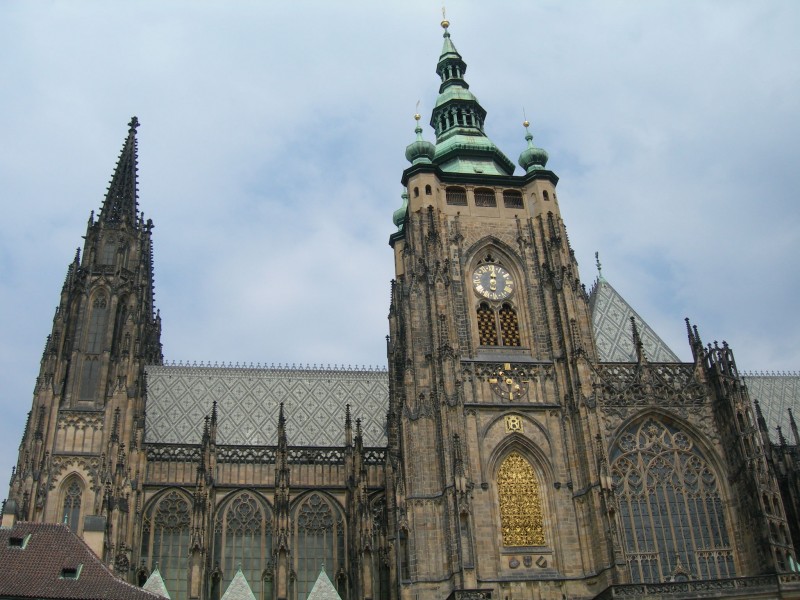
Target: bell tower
x=79 y=459
x=495 y=466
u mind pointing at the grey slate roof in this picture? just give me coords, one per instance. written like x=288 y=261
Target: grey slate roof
x=611 y=319
x=323 y=588
x=33 y=567
x=239 y=589
x=776 y=393
x=155 y=584
x=248 y=399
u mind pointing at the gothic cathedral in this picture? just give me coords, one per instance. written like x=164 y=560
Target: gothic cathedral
x=504 y=455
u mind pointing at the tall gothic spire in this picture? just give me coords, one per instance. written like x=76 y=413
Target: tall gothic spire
x=458 y=117
x=121 y=203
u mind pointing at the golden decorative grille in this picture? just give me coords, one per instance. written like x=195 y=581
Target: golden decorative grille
x=509 y=326
x=487 y=330
x=520 y=503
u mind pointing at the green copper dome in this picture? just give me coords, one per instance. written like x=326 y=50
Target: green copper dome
x=399 y=216
x=532 y=158
x=419 y=151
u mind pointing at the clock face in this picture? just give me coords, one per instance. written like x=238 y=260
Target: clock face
x=493 y=282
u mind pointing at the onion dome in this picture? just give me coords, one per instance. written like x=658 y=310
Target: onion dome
x=399 y=216
x=532 y=158
x=419 y=151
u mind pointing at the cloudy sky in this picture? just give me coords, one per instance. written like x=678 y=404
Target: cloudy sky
x=271 y=149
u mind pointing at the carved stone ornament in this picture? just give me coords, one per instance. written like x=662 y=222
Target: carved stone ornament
x=513 y=424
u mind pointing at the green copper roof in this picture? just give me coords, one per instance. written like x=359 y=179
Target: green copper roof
x=239 y=589
x=457 y=118
x=155 y=584
x=472 y=154
x=323 y=588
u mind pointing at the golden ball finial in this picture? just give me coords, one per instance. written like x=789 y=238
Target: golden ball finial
x=417 y=117
x=526 y=123
x=445 y=24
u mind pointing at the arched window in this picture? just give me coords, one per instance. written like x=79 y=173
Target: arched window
x=498 y=328
x=521 y=518
x=428 y=190
x=95 y=334
x=95 y=338
x=165 y=540
x=456 y=196
x=487 y=328
x=670 y=505
x=485 y=197
x=109 y=252
x=243 y=538
x=319 y=540
x=416 y=192
x=512 y=199
x=509 y=327
x=71 y=509
x=546 y=196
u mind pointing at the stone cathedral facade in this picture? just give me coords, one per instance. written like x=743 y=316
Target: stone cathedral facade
x=518 y=447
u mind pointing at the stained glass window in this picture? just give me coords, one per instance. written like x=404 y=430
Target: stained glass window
x=319 y=541
x=72 y=504
x=243 y=538
x=520 y=503
x=670 y=505
x=165 y=540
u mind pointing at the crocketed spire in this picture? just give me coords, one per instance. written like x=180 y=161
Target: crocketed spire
x=121 y=203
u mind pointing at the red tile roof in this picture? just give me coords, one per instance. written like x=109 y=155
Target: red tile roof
x=35 y=571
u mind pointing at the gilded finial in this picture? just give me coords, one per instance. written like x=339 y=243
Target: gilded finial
x=417 y=116
x=445 y=22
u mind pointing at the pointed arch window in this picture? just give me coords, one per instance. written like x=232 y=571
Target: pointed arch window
x=71 y=508
x=243 y=538
x=670 y=503
x=487 y=326
x=509 y=326
x=165 y=540
x=319 y=540
x=95 y=333
x=521 y=519
x=498 y=327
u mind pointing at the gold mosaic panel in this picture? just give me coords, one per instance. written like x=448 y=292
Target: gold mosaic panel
x=520 y=503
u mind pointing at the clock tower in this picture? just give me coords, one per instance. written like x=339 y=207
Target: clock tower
x=495 y=465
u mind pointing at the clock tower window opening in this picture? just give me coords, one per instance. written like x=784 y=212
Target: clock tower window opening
x=456 y=196
x=498 y=327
